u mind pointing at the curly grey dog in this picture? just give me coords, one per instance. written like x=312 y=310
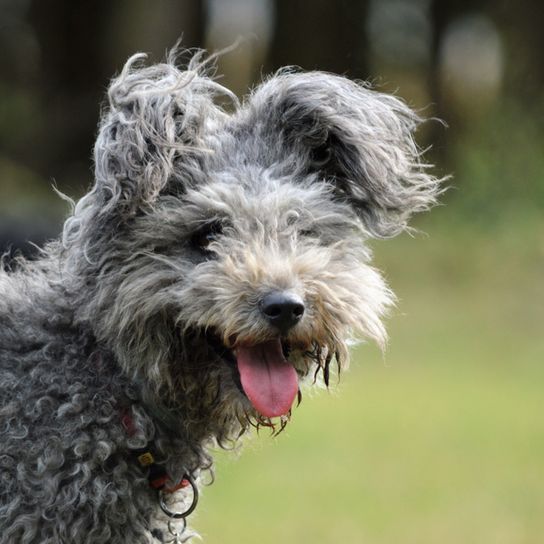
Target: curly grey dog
x=218 y=262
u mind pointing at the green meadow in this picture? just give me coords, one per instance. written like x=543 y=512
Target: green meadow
x=438 y=441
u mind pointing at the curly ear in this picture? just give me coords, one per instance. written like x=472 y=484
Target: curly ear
x=359 y=140
x=151 y=140
x=152 y=126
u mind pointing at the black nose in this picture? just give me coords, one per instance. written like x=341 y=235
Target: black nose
x=283 y=310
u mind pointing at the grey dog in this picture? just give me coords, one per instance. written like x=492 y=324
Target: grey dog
x=218 y=263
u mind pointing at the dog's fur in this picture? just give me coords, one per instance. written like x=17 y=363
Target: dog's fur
x=198 y=211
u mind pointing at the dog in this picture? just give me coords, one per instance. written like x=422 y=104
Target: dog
x=219 y=262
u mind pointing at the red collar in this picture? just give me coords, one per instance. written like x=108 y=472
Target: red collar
x=157 y=475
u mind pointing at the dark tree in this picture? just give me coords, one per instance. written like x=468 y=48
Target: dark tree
x=81 y=45
x=322 y=35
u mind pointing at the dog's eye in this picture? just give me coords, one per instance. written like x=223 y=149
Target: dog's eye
x=321 y=155
x=205 y=235
x=308 y=233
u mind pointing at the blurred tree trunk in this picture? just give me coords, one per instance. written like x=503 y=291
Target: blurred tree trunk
x=82 y=45
x=69 y=84
x=443 y=13
x=321 y=34
x=521 y=26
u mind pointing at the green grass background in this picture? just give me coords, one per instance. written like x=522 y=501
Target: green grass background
x=439 y=441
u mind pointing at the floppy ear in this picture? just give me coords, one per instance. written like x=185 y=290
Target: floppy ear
x=359 y=140
x=151 y=140
x=151 y=130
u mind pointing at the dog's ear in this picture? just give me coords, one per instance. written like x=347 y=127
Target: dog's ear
x=151 y=128
x=359 y=140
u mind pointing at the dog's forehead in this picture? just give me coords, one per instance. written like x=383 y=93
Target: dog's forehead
x=257 y=194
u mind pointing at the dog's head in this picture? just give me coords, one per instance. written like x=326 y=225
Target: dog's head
x=224 y=252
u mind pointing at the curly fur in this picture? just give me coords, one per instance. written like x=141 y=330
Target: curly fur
x=126 y=311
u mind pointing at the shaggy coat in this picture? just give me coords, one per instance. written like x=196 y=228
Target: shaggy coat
x=151 y=306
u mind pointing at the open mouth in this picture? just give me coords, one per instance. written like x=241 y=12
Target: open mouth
x=265 y=375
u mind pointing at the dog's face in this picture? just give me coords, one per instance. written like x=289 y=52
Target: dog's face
x=271 y=273
x=227 y=250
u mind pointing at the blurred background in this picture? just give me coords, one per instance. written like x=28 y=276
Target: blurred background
x=440 y=440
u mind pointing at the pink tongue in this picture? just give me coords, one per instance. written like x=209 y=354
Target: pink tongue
x=269 y=380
